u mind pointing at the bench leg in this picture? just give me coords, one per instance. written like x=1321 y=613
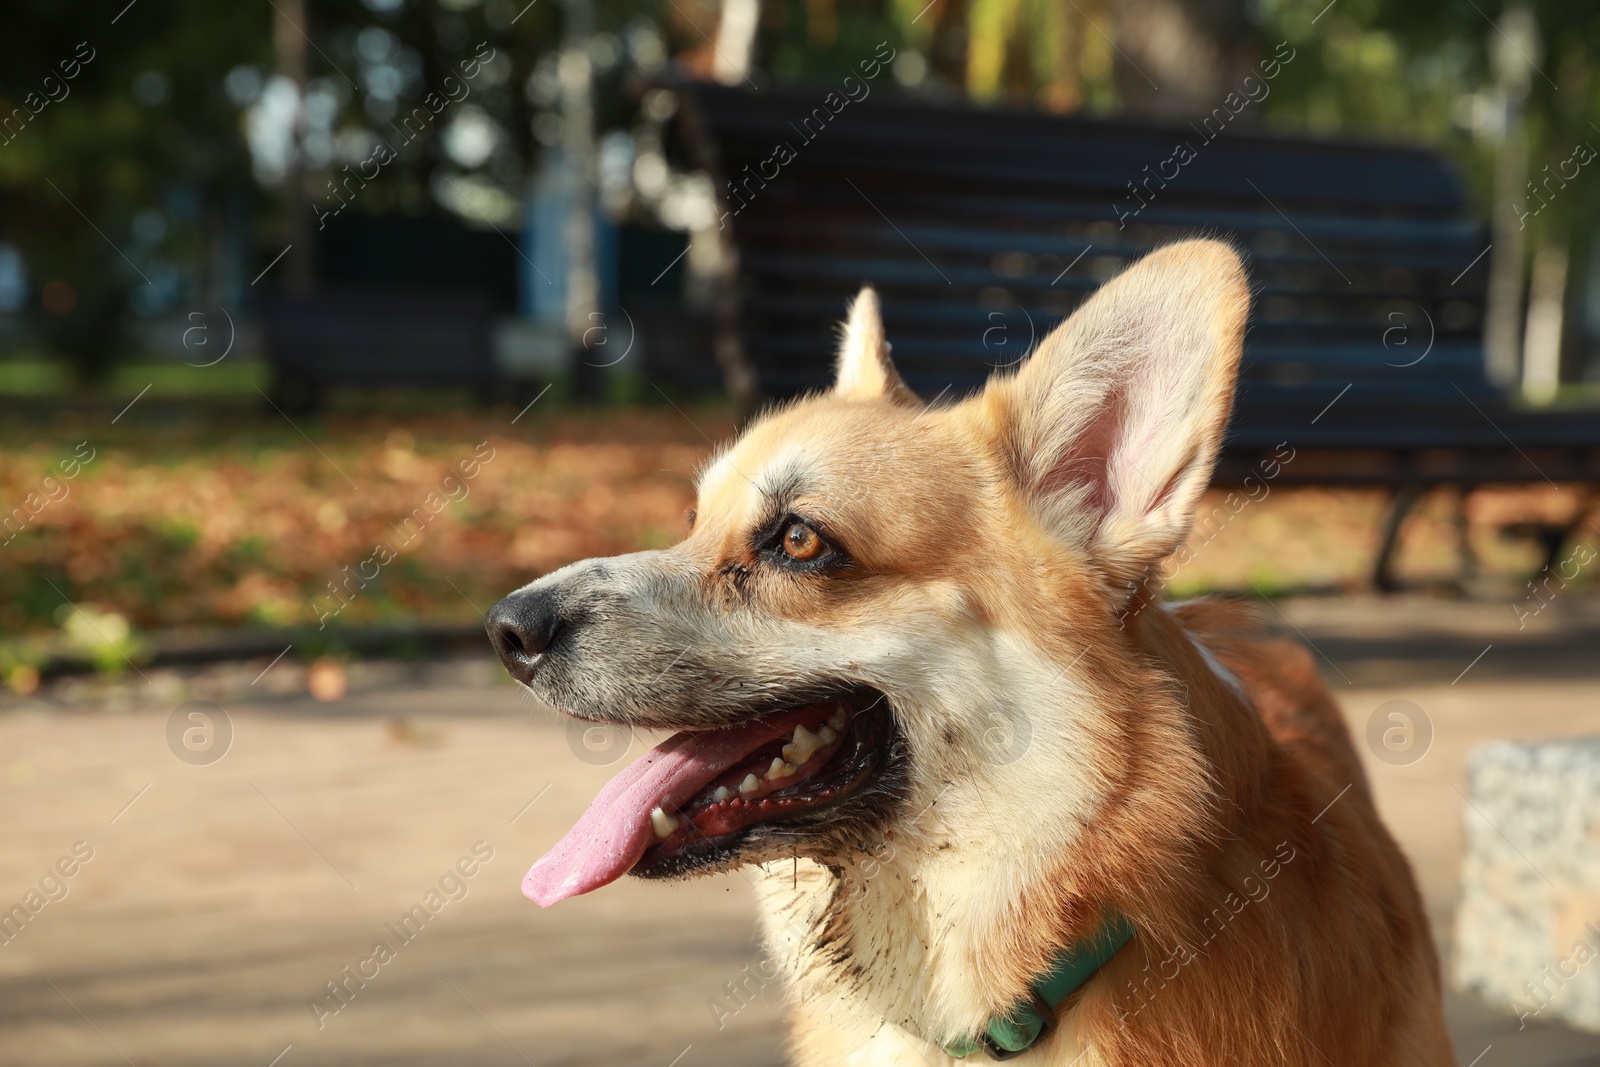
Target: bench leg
x=1468 y=558
x=1405 y=499
x=1557 y=538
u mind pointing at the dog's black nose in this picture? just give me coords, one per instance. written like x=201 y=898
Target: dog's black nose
x=521 y=627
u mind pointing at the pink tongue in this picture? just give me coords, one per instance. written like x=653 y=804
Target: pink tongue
x=611 y=836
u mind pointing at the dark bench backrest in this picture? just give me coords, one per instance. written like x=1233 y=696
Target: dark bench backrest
x=376 y=339
x=983 y=228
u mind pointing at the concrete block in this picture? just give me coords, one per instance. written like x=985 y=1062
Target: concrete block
x=1528 y=925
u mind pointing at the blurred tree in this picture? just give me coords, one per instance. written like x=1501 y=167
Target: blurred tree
x=1137 y=57
x=135 y=140
x=132 y=141
x=113 y=180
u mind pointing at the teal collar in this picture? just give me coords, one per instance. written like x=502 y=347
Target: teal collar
x=1029 y=1020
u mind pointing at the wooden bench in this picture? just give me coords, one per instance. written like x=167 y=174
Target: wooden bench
x=982 y=228
x=373 y=339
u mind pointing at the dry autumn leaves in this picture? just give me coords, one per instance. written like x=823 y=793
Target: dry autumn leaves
x=243 y=522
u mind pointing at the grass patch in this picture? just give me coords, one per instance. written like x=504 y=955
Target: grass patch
x=48 y=378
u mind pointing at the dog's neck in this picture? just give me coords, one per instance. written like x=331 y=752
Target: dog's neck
x=946 y=922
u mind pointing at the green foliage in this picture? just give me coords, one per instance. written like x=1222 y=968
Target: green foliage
x=107 y=176
x=1422 y=71
x=122 y=182
x=823 y=42
x=105 y=638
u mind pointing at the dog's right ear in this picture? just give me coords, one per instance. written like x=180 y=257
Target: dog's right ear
x=865 y=370
x=1113 y=425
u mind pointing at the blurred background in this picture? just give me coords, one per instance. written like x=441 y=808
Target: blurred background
x=326 y=323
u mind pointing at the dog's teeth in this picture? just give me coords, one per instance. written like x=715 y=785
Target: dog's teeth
x=828 y=734
x=665 y=825
x=805 y=742
x=722 y=793
x=839 y=717
x=750 y=784
x=780 y=769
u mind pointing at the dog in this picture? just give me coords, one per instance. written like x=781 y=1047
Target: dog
x=1023 y=808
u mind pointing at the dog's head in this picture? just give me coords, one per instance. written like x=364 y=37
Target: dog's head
x=882 y=606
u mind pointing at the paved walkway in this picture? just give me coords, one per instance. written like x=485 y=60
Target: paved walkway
x=222 y=898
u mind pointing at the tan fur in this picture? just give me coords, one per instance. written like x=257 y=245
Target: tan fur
x=865 y=370
x=1170 y=763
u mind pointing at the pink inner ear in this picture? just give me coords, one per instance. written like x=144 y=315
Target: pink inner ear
x=1087 y=461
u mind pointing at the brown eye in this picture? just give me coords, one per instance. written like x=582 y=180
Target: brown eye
x=802 y=543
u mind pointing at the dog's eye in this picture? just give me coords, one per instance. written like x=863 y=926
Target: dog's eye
x=802 y=543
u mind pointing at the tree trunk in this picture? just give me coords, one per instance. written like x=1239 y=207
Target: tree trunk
x=289 y=30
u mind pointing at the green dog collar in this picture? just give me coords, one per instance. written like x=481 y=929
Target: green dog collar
x=1029 y=1020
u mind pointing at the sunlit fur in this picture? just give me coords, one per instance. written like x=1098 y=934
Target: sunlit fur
x=1071 y=747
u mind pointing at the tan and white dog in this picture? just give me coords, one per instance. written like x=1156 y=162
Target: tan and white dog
x=915 y=648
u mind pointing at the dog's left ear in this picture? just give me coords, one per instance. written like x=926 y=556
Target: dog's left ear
x=1114 y=423
x=865 y=370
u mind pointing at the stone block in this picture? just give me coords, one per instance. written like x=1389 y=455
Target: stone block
x=1528 y=925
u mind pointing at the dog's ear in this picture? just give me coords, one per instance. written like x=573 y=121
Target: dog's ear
x=1114 y=423
x=865 y=370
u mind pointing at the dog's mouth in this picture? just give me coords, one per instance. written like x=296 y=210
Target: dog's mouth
x=696 y=800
